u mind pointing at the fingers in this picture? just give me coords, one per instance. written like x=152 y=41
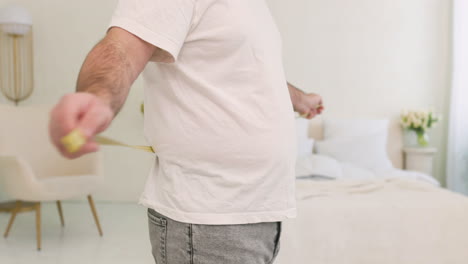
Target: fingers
x=312 y=114
x=94 y=120
x=80 y=113
x=317 y=109
x=89 y=147
x=320 y=109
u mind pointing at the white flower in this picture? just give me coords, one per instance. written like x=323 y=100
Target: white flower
x=412 y=118
x=417 y=123
x=418 y=119
x=404 y=112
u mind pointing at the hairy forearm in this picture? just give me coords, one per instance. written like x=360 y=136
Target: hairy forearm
x=296 y=96
x=107 y=73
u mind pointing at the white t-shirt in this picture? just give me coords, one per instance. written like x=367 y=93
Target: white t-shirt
x=217 y=110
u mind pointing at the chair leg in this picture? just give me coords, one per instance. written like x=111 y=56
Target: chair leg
x=93 y=209
x=37 y=208
x=59 y=207
x=12 y=218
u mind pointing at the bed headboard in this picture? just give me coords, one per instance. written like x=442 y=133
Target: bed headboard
x=394 y=142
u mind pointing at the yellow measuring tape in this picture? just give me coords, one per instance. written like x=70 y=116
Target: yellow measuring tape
x=75 y=140
x=111 y=142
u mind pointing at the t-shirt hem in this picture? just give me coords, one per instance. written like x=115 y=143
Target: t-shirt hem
x=221 y=219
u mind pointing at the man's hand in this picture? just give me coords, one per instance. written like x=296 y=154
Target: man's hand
x=84 y=112
x=307 y=105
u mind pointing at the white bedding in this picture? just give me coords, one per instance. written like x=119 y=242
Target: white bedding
x=379 y=221
x=310 y=166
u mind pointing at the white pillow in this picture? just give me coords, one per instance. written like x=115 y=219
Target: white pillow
x=362 y=142
x=305 y=145
x=318 y=165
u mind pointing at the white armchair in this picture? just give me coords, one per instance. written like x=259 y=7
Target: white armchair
x=32 y=171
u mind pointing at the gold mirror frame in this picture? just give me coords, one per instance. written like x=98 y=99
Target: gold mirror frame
x=16 y=66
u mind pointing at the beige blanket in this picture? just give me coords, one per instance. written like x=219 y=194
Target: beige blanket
x=387 y=221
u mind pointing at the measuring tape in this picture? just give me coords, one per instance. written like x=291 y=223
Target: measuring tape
x=75 y=140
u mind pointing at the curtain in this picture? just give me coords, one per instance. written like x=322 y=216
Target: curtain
x=457 y=155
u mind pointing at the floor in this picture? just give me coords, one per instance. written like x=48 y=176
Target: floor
x=125 y=237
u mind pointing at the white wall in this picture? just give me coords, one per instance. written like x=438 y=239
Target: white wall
x=368 y=58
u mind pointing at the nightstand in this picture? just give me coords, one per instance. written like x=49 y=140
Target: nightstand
x=420 y=159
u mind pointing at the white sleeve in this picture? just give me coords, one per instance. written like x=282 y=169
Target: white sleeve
x=162 y=23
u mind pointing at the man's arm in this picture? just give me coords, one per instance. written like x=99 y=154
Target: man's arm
x=113 y=65
x=102 y=88
x=295 y=94
x=308 y=105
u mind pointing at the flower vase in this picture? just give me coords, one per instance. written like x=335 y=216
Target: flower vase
x=414 y=138
x=423 y=138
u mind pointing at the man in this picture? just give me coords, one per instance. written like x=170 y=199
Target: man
x=218 y=113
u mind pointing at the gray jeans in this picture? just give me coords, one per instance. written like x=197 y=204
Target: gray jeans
x=180 y=243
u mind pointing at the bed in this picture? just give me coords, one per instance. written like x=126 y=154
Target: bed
x=391 y=216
